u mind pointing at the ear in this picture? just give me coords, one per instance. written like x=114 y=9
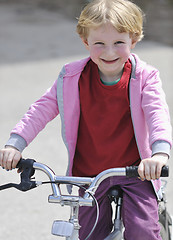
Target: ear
x=85 y=42
x=133 y=44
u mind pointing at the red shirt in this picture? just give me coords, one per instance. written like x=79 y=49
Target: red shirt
x=105 y=135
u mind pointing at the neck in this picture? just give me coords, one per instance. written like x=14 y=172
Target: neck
x=109 y=79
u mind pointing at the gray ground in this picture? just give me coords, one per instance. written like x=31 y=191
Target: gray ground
x=34 y=44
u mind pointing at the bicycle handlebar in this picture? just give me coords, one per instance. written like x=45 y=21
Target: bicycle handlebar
x=132 y=171
x=28 y=167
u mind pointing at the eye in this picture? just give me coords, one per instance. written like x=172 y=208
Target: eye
x=99 y=43
x=119 y=42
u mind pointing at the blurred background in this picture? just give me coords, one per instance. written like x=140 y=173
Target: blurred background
x=159 y=14
x=33 y=14
x=37 y=37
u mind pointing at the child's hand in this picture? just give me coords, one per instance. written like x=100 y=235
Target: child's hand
x=150 y=168
x=9 y=157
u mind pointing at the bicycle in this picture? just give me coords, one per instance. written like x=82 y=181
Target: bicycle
x=70 y=229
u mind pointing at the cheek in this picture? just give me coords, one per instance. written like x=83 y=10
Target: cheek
x=95 y=52
x=124 y=52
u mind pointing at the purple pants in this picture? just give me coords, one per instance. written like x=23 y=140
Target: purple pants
x=139 y=211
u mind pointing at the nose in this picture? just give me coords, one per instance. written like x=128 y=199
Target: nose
x=110 y=52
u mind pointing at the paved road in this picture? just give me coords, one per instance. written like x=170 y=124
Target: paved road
x=34 y=44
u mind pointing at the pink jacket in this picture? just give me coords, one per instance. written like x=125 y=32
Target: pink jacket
x=149 y=111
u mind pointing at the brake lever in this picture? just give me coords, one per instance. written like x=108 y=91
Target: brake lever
x=27 y=171
x=8 y=185
x=22 y=186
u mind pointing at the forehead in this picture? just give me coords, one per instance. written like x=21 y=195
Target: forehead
x=106 y=31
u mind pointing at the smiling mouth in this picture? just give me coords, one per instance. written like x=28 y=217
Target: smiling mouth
x=109 y=61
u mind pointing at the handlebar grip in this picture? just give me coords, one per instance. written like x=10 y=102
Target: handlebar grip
x=132 y=171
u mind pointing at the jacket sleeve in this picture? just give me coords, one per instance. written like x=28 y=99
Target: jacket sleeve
x=39 y=114
x=156 y=111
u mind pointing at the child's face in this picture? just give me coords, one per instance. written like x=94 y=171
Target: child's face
x=109 y=49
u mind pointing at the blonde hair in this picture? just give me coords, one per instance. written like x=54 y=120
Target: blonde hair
x=124 y=15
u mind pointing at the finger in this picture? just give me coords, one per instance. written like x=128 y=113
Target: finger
x=158 y=171
x=4 y=160
x=147 y=172
x=141 y=171
x=16 y=159
x=9 y=161
x=153 y=172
